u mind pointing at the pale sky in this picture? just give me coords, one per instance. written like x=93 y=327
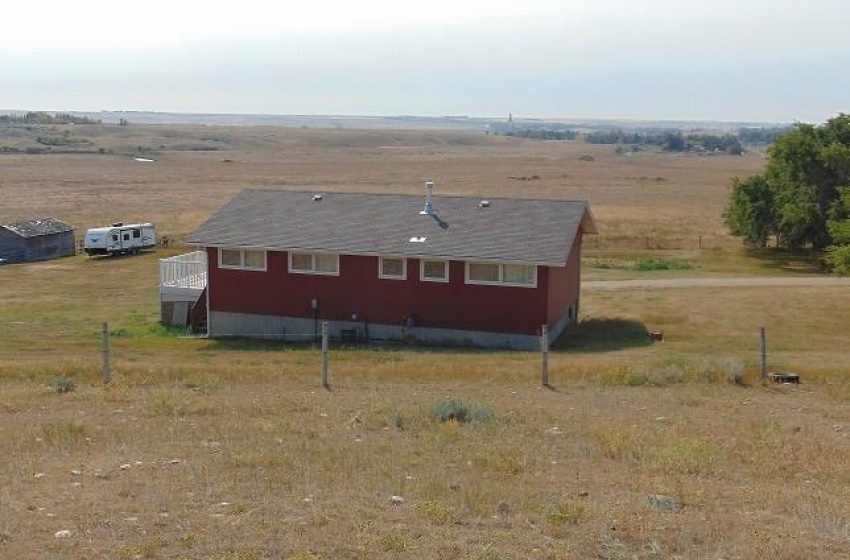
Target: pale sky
x=732 y=60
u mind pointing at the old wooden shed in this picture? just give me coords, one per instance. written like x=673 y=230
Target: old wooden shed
x=35 y=240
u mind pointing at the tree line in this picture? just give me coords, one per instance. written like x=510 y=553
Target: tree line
x=802 y=199
x=41 y=117
x=671 y=141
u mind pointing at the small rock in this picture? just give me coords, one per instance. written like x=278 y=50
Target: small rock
x=583 y=494
x=63 y=534
x=664 y=503
x=554 y=431
x=174 y=462
x=125 y=466
x=38 y=475
x=76 y=484
x=838 y=427
x=396 y=500
x=77 y=472
x=139 y=463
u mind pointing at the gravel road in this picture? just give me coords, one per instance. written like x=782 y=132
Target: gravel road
x=738 y=282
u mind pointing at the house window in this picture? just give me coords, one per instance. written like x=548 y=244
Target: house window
x=482 y=272
x=434 y=271
x=314 y=263
x=502 y=274
x=392 y=268
x=248 y=259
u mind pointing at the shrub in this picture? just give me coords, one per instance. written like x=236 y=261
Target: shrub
x=735 y=371
x=64 y=385
x=457 y=410
x=436 y=512
x=566 y=512
x=661 y=264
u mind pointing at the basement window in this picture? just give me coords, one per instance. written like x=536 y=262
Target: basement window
x=314 y=263
x=392 y=268
x=434 y=271
x=245 y=259
x=522 y=275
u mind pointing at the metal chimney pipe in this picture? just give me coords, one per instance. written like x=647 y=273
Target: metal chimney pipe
x=429 y=204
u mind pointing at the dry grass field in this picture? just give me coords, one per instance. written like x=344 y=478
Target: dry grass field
x=231 y=450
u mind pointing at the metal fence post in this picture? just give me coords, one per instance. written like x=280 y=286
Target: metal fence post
x=107 y=375
x=544 y=351
x=325 y=382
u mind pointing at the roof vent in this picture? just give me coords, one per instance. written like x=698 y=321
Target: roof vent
x=428 y=210
x=318 y=197
x=484 y=204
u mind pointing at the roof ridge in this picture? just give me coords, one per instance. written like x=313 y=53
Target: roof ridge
x=435 y=195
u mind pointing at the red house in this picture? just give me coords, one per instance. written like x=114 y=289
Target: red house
x=436 y=270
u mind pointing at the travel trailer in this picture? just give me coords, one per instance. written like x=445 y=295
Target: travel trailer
x=119 y=239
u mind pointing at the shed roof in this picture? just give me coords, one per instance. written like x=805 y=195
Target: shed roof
x=38 y=226
x=506 y=229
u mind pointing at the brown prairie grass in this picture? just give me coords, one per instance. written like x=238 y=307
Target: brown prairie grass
x=232 y=450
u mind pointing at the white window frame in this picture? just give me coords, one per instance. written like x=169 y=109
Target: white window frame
x=424 y=278
x=500 y=281
x=242 y=265
x=312 y=269
x=382 y=274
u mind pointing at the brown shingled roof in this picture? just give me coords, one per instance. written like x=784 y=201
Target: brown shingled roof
x=508 y=229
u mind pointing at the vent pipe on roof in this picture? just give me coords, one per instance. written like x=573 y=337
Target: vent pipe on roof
x=429 y=204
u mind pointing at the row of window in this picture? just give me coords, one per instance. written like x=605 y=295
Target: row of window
x=391 y=268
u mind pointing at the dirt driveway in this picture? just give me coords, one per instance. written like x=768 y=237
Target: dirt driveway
x=735 y=282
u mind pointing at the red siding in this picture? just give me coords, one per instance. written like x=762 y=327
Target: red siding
x=564 y=285
x=358 y=289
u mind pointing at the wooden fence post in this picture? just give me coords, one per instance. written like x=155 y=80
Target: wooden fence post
x=107 y=375
x=325 y=382
x=544 y=351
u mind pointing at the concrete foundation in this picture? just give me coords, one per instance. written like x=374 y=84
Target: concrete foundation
x=297 y=329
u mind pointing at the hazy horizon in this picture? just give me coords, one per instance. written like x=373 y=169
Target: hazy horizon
x=765 y=61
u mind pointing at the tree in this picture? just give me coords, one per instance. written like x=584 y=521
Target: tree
x=838 y=255
x=805 y=171
x=752 y=211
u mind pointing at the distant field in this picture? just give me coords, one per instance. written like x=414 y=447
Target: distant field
x=231 y=450
x=656 y=199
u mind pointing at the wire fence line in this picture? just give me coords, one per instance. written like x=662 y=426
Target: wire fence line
x=659 y=242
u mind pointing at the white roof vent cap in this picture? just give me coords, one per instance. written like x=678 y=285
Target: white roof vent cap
x=484 y=203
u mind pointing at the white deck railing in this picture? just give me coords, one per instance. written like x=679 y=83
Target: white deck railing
x=188 y=270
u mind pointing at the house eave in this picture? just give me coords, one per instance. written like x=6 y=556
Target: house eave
x=420 y=256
